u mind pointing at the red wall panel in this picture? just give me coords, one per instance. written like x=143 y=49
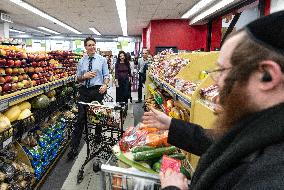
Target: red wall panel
x=216 y=33
x=177 y=33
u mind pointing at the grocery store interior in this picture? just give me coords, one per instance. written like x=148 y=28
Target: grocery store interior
x=41 y=46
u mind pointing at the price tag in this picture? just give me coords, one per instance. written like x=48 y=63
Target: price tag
x=4 y=105
x=46 y=88
x=7 y=142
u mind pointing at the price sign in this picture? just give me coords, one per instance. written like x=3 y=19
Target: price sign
x=7 y=142
x=4 y=105
x=46 y=88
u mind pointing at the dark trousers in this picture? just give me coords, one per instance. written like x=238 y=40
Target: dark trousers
x=86 y=95
x=140 y=85
x=122 y=92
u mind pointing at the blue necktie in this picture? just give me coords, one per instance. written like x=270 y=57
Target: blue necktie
x=89 y=69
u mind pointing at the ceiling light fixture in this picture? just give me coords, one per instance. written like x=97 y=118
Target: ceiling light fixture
x=215 y=8
x=44 y=15
x=48 y=30
x=95 y=31
x=18 y=31
x=121 y=10
x=197 y=8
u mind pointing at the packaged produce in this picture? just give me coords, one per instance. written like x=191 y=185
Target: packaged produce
x=170 y=163
x=157 y=139
x=40 y=102
x=24 y=105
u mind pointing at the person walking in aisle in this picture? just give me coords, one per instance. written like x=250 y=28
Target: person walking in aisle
x=122 y=77
x=245 y=149
x=142 y=75
x=93 y=75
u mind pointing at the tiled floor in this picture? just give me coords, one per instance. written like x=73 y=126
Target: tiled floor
x=91 y=179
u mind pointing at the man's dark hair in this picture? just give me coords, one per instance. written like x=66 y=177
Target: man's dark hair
x=88 y=39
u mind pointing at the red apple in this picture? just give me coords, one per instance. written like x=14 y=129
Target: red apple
x=33 y=82
x=39 y=75
x=20 y=77
x=8 y=71
x=15 y=79
x=31 y=70
x=41 y=81
x=14 y=86
x=25 y=55
x=17 y=63
x=21 y=70
x=2 y=80
x=25 y=76
x=7 y=87
x=26 y=69
x=37 y=70
x=26 y=83
x=34 y=64
x=8 y=79
x=40 y=69
x=10 y=63
x=2 y=71
x=19 y=55
x=24 y=62
x=37 y=82
x=34 y=76
x=0 y=90
x=2 y=62
x=15 y=71
x=20 y=85
x=45 y=80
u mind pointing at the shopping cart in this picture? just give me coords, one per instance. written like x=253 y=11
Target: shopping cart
x=108 y=119
x=118 y=177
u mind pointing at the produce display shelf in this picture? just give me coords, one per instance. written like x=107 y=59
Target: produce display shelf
x=202 y=102
x=50 y=167
x=17 y=97
x=173 y=92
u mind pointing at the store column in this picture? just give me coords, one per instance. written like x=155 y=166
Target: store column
x=4 y=30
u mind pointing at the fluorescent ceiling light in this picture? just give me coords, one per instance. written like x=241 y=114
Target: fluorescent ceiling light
x=121 y=10
x=44 y=15
x=216 y=7
x=95 y=31
x=197 y=8
x=18 y=31
x=48 y=30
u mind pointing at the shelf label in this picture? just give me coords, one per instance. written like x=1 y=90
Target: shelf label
x=7 y=142
x=4 y=105
x=46 y=88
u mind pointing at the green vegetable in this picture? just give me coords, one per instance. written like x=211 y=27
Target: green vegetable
x=179 y=156
x=142 y=148
x=40 y=102
x=185 y=172
x=157 y=166
x=153 y=154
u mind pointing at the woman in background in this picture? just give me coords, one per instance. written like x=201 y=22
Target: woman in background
x=122 y=77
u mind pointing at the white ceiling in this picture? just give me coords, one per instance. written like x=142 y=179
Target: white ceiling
x=101 y=14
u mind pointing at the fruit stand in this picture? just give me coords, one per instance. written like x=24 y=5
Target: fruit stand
x=37 y=113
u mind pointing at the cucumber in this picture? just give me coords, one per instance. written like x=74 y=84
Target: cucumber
x=153 y=154
x=185 y=172
x=157 y=166
x=142 y=148
x=179 y=156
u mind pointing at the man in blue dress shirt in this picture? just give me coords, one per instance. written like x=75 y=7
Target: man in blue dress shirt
x=93 y=75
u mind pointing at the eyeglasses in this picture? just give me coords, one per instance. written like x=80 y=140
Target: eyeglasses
x=217 y=73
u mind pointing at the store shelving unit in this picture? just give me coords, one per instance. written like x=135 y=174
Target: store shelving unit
x=200 y=113
x=20 y=96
